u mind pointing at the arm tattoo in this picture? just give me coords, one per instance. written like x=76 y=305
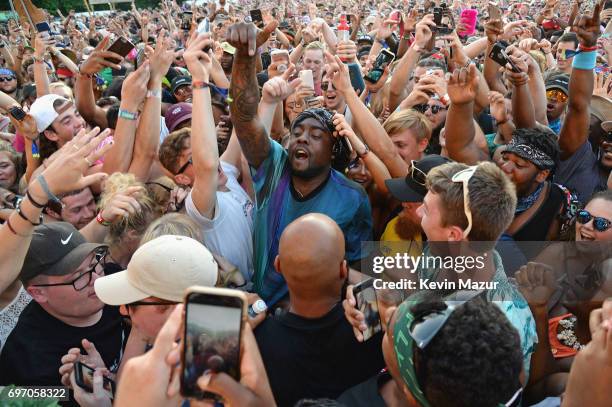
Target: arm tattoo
x=244 y=94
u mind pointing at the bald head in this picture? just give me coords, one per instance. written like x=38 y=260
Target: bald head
x=311 y=255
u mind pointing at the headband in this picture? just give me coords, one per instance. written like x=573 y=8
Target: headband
x=530 y=153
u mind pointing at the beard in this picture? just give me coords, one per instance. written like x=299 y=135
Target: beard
x=406 y=228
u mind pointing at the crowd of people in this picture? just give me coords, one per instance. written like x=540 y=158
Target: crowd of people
x=259 y=147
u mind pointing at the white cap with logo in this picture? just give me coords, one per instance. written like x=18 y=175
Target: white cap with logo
x=43 y=111
x=164 y=268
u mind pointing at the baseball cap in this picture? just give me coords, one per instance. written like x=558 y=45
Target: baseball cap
x=179 y=81
x=163 y=267
x=43 y=111
x=601 y=107
x=365 y=38
x=607 y=126
x=559 y=82
x=57 y=249
x=8 y=72
x=412 y=187
x=177 y=114
x=226 y=47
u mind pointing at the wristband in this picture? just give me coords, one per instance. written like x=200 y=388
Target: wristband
x=199 y=85
x=585 y=60
x=124 y=114
x=32 y=201
x=101 y=220
x=154 y=93
x=12 y=229
x=22 y=215
x=43 y=183
x=365 y=152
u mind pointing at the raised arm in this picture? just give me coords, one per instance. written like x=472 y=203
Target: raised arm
x=522 y=105
x=577 y=120
x=459 y=129
x=374 y=134
x=244 y=91
x=205 y=154
x=41 y=79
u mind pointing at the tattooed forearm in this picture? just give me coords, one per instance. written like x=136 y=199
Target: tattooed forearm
x=244 y=94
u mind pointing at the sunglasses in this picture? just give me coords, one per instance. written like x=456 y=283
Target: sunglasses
x=159 y=184
x=600 y=224
x=556 y=95
x=184 y=167
x=424 y=107
x=416 y=174
x=325 y=85
x=464 y=177
x=6 y=78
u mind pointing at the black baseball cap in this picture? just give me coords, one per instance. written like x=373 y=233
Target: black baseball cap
x=412 y=187
x=559 y=82
x=57 y=249
x=179 y=81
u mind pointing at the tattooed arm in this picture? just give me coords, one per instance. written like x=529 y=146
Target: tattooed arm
x=244 y=92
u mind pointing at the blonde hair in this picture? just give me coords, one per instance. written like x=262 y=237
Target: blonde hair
x=408 y=119
x=56 y=85
x=138 y=222
x=172 y=224
x=492 y=199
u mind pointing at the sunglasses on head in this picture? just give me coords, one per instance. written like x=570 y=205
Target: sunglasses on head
x=424 y=107
x=6 y=78
x=417 y=175
x=556 y=95
x=599 y=224
x=464 y=177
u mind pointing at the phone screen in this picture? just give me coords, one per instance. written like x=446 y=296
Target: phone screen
x=365 y=295
x=212 y=340
x=257 y=17
x=121 y=46
x=84 y=378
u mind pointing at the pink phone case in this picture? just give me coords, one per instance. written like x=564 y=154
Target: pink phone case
x=469 y=18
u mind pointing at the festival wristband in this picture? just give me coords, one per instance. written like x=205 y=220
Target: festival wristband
x=124 y=114
x=200 y=85
x=585 y=60
x=43 y=184
x=101 y=220
x=154 y=93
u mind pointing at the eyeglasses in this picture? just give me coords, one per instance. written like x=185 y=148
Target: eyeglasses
x=354 y=163
x=6 y=78
x=184 y=167
x=556 y=95
x=159 y=184
x=435 y=109
x=416 y=174
x=83 y=280
x=148 y=303
x=464 y=177
x=600 y=224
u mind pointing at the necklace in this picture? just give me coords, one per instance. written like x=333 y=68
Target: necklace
x=567 y=336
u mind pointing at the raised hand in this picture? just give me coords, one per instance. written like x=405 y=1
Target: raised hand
x=135 y=87
x=122 y=204
x=602 y=86
x=497 y=103
x=343 y=129
x=100 y=59
x=162 y=57
x=246 y=37
x=199 y=61
x=339 y=73
x=279 y=88
x=41 y=44
x=462 y=85
x=587 y=28
x=423 y=32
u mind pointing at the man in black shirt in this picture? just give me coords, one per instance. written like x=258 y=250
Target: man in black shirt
x=59 y=273
x=311 y=351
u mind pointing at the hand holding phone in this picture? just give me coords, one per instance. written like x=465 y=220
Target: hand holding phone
x=365 y=297
x=384 y=59
x=122 y=47
x=84 y=378
x=306 y=76
x=499 y=55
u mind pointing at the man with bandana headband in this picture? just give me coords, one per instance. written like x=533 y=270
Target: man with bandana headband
x=293 y=182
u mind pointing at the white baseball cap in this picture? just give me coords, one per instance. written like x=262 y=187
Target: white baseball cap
x=43 y=111
x=164 y=268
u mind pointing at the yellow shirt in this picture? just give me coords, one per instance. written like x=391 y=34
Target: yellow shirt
x=411 y=247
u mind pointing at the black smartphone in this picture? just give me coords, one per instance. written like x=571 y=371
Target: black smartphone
x=186 y=20
x=441 y=28
x=122 y=46
x=499 y=55
x=17 y=112
x=211 y=341
x=83 y=376
x=257 y=17
x=365 y=296
x=384 y=58
x=44 y=28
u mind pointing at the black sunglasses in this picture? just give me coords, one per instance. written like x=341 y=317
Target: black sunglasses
x=600 y=224
x=325 y=85
x=184 y=167
x=159 y=184
x=83 y=280
x=6 y=79
x=424 y=107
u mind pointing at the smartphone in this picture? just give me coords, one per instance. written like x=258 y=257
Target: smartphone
x=122 y=46
x=306 y=77
x=257 y=17
x=494 y=11
x=499 y=55
x=17 y=112
x=186 y=20
x=213 y=323
x=443 y=29
x=384 y=58
x=396 y=16
x=83 y=376
x=140 y=58
x=365 y=296
x=280 y=57
x=44 y=28
x=469 y=18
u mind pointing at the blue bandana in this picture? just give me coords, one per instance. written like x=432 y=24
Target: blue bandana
x=527 y=202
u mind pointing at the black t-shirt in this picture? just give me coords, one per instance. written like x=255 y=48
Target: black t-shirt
x=315 y=358
x=366 y=394
x=33 y=351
